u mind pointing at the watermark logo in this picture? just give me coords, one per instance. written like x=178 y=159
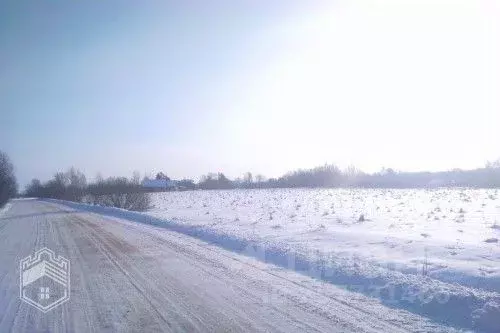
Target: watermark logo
x=44 y=280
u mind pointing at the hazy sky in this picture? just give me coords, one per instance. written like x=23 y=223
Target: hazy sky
x=189 y=87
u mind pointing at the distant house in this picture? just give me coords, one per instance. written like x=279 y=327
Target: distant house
x=159 y=184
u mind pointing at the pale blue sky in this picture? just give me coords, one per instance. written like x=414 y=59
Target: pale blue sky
x=265 y=86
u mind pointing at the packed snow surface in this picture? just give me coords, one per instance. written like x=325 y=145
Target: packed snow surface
x=133 y=277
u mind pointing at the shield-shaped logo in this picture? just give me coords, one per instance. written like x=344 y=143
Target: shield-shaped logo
x=44 y=280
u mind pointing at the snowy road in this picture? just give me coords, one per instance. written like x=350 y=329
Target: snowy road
x=127 y=276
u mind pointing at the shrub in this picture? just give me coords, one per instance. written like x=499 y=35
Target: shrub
x=119 y=192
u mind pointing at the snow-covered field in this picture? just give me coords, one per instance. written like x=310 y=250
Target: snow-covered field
x=458 y=230
x=443 y=242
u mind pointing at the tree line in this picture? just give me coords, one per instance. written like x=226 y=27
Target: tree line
x=8 y=182
x=129 y=193
x=331 y=176
x=72 y=185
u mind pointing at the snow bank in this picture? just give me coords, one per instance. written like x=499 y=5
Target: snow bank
x=5 y=208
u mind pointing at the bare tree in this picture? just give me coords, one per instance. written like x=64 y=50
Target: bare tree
x=136 y=178
x=247 y=180
x=260 y=178
x=76 y=184
x=99 y=178
x=161 y=175
x=34 y=189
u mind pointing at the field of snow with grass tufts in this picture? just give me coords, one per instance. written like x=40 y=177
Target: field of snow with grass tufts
x=424 y=250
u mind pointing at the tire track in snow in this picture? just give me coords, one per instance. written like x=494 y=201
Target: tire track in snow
x=165 y=291
x=99 y=232
x=107 y=253
x=359 y=315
